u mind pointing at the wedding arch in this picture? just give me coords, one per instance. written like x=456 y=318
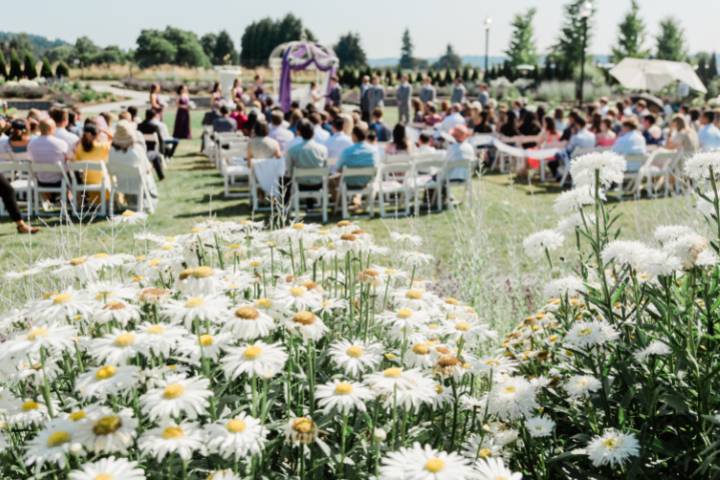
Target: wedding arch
x=299 y=56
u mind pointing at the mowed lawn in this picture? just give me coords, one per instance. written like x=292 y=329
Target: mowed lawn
x=478 y=247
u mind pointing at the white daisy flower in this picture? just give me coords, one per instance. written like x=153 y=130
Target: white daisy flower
x=308 y=325
x=103 y=431
x=424 y=463
x=408 y=389
x=256 y=360
x=607 y=167
x=356 y=356
x=99 y=382
x=612 y=448
x=129 y=217
x=511 y=398
x=182 y=439
x=199 y=280
x=177 y=396
x=193 y=348
x=540 y=427
x=589 y=334
x=343 y=396
x=699 y=165
x=110 y=468
x=579 y=386
x=297 y=297
x=571 y=201
x=656 y=348
x=53 y=444
x=494 y=469
x=66 y=304
x=116 y=310
x=24 y=413
x=203 y=308
x=301 y=430
x=240 y=436
x=115 y=348
x=246 y=322
x=539 y=242
x=54 y=338
x=570 y=285
x=226 y=474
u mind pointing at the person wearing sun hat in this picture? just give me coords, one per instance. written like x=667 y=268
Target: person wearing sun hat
x=126 y=151
x=460 y=150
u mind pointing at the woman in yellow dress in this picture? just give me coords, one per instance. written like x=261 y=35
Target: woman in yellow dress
x=90 y=149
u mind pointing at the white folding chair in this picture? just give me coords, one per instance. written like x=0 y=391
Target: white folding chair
x=24 y=187
x=350 y=191
x=394 y=181
x=428 y=179
x=320 y=195
x=133 y=183
x=453 y=167
x=38 y=190
x=103 y=189
x=154 y=140
x=274 y=174
x=659 y=166
x=633 y=165
x=233 y=166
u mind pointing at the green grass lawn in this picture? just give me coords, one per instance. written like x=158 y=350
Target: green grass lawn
x=478 y=248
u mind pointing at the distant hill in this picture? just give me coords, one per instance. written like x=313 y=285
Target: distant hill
x=38 y=43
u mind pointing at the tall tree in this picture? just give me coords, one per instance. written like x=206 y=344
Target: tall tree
x=85 y=51
x=262 y=36
x=46 y=69
x=224 y=52
x=15 y=72
x=3 y=66
x=30 y=67
x=522 y=42
x=631 y=35
x=154 y=49
x=350 y=51
x=670 y=43
x=567 y=52
x=713 y=69
x=449 y=60
x=208 y=42
x=407 y=60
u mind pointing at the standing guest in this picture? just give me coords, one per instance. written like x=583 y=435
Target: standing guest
x=258 y=90
x=400 y=143
x=237 y=92
x=630 y=141
x=682 y=137
x=126 y=151
x=216 y=96
x=154 y=150
x=182 y=118
x=379 y=127
x=339 y=140
x=453 y=119
x=334 y=95
x=709 y=134
x=48 y=149
x=262 y=146
x=458 y=91
x=376 y=94
x=365 y=99
x=606 y=136
x=7 y=194
x=404 y=96
x=156 y=103
x=224 y=123
x=484 y=95
x=89 y=148
x=60 y=117
x=279 y=132
x=427 y=91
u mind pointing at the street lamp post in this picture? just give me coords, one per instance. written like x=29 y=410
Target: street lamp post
x=488 y=22
x=585 y=12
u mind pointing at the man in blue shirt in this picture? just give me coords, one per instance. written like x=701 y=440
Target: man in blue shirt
x=358 y=155
x=709 y=134
x=381 y=130
x=630 y=141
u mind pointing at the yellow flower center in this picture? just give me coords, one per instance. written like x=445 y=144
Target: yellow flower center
x=77 y=415
x=77 y=261
x=392 y=372
x=103 y=373
x=610 y=443
x=30 y=405
x=343 y=388
x=104 y=476
x=107 y=425
x=343 y=223
x=114 y=305
x=414 y=294
x=156 y=329
x=36 y=332
x=170 y=433
x=58 y=438
x=173 y=391
x=61 y=298
x=303 y=425
x=194 y=302
x=252 y=352
x=298 y=226
x=206 y=340
x=585 y=332
x=451 y=301
x=247 y=313
x=264 y=303
x=309 y=284
x=485 y=453
x=348 y=237
x=462 y=326
x=421 y=349
x=434 y=465
x=197 y=272
x=304 y=318
x=236 y=426
x=124 y=339
x=509 y=389
x=439 y=389
x=297 y=291
x=404 y=313
x=354 y=351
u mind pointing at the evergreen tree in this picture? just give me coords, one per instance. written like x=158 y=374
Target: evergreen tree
x=568 y=50
x=46 y=69
x=407 y=61
x=522 y=42
x=712 y=70
x=350 y=52
x=450 y=59
x=15 y=66
x=670 y=44
x=3 y=66
x=30 y=66
x=224 y=50
x=631 y=35
x=62 y=70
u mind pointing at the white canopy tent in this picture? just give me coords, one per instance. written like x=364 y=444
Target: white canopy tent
x=654 y=75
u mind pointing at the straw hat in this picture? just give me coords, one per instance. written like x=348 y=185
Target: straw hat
x=125 y=132
x=460 y=133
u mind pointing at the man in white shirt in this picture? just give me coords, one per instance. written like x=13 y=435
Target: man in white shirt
x=709 y=134
x=321 y=135
x=279 y=132
x=60 y=117
x=455 y=119
x=339 y=140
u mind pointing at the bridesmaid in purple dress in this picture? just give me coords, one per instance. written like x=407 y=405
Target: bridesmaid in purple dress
x=182 y=119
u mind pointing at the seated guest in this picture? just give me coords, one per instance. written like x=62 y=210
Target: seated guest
x=133 y=112
x=306 y=154
x=73 y=125
x=125 y=151
x=418 y=110
x=48 y=149
x=279 y=131
x=509 y=127
x=606 y=136
x=379 y=127
x=650 y=131
x=89 y=148
x=709 y=134
x=339 y=140
x=399 y=142
x=321 y=136
x=483 y=125
x=460 y=150
x=560 y=123
x=581 y=137
x=682 y=137
x=359 y=155
x=7 y=194
x=60 y=116
x=224 y=123
x=424 y=144
x=630 y=141
x=19 y=137
x=529 y=128
x=154 y=150
x=262 y=146
x=240 y=116
x=453 y=119
x=432 y=117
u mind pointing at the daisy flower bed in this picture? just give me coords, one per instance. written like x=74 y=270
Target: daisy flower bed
x=236 y=352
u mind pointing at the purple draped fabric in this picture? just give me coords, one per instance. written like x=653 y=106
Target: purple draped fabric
x=300 y=56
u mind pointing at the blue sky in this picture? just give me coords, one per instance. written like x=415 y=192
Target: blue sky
x=433 y=23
